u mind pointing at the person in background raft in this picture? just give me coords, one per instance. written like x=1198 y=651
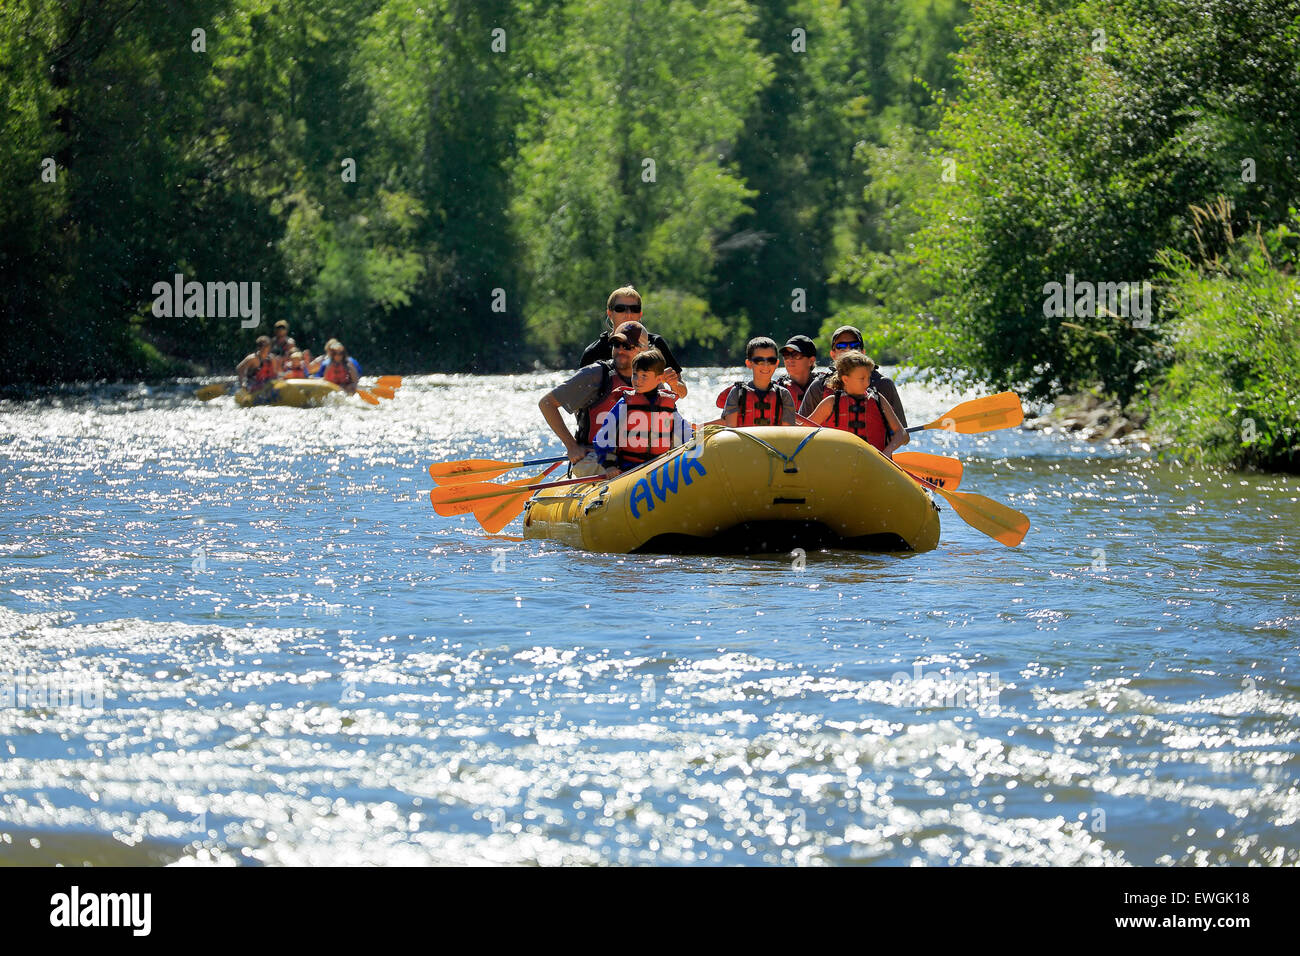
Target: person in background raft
x=281 y=345
x=295 y=368
x=258 y=368
x=800 y=357
x=584 y=394
x=624 y=305
x=339 y=367
x=849 y=339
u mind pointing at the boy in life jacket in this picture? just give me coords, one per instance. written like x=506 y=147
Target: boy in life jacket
x=852 y=405
x=759 y=401
x=587 y=394
x=641 y=422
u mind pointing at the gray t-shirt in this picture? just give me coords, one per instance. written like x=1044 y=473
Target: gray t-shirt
x=584 y=388
x=885 y=386
x=787 y=403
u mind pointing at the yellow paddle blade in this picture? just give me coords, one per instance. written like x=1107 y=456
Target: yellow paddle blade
x=1002 y=524
x=208 y=392
x=937 y=471
x=988 y=414
x=390 y=381
x=367 y=397
x=383 y=391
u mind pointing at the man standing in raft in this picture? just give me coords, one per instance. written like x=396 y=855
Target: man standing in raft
x=624 y=305
x=585 y=393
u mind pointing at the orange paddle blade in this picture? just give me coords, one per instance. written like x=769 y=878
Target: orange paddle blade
x=390 y=381
x=462 y=499
x=988 y=414
x=496 y=513
x=383 y=391
x=471 y=469
x=937 y=471
x=367 y=397
x=1005 y=525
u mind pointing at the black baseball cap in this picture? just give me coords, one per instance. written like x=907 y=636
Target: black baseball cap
x=800 y=343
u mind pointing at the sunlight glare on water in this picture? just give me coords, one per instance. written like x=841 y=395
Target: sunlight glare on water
x=242 y=636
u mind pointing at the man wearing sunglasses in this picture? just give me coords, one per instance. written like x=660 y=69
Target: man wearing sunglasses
x=759 y=402
x=584 y=394
x=624 y=305
x=846 y=339
x=800 y=357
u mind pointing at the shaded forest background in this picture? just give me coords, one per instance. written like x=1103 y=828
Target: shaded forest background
x=920 y=168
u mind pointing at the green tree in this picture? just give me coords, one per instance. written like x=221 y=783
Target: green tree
x=626 y=173
x=1081 y=135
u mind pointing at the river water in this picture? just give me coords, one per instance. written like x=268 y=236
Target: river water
x=244 y=636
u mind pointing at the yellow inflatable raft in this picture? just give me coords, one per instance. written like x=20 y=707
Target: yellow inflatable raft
x=298 y=392
x=732 y=490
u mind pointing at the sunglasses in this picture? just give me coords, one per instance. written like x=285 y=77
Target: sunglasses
x=627 y=346
x=621 y=307
x=768 y=360
x=847 y=345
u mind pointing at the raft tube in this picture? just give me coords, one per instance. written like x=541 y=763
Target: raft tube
x=746 y=490
x=297 y=392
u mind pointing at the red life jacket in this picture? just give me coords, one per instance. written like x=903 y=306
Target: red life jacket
x=340 y=373
x=861 y=416
x=265 y=372
x=590 y=419
x=796 y=390
x=647 y=425
x=763 y=408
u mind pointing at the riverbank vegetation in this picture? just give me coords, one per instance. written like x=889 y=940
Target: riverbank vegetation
x=447 y=184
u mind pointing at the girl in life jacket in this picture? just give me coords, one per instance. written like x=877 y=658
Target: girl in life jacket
x=853 y=406
x=642 y=422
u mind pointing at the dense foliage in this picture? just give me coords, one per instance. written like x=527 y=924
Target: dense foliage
x=1083 y=134
x=457 y=184
x=441 y=183
x=1232 y=391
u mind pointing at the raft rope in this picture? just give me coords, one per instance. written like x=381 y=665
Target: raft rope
x=790 y=467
